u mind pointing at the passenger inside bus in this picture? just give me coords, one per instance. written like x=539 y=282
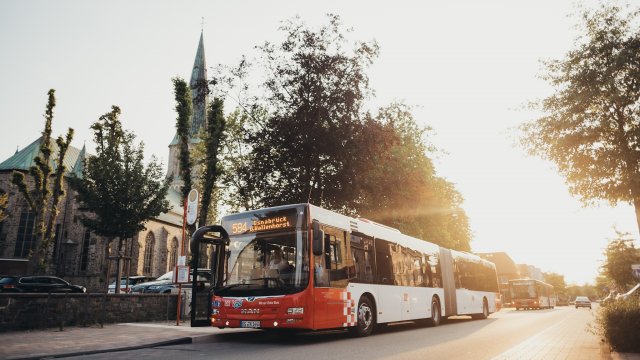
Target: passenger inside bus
x=276 y=262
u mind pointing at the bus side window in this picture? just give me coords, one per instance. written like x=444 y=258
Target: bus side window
x=362 y=255
x=428 y=275
x=436 y=276
x=384 y=263
x=336 y=262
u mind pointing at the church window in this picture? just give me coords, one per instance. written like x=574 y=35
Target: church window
x=84 y=259
x=25 y=240
x=148 y=253
x=56 y=242
x=173 y=255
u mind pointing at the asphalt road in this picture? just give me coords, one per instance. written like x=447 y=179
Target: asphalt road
x=509 y=334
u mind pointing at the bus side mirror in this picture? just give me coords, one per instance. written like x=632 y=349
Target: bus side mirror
x=318 y=239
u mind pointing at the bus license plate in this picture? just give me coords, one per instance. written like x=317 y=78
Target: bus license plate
x=250 y=324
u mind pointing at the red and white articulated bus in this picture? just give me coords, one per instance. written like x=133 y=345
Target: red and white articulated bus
x=339 y=272
x=532 y=294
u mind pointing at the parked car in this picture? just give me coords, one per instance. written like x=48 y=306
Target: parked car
x=582 y=301
x=164 y=284
x=635 y=291
x=38 y=284
x=133 y=280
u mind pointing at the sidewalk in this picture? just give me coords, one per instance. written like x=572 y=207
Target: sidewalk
x=76 y=340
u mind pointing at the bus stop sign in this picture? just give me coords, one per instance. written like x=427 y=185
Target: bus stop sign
x=192 y=207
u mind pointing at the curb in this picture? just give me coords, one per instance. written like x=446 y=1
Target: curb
x=178 y=341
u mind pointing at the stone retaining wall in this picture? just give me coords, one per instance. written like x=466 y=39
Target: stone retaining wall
x=39 y=311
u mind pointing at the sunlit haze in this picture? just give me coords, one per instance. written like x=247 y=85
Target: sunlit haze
x=468 y=67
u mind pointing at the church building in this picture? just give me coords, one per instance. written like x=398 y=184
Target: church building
x=78 y=255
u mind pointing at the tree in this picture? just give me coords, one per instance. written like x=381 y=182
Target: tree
x=185 y=111
x=236 y=159
x=400 y=187
x=591 y=126
x=558 y=283
x=620 y=254
x=309 y=139
x=47 y=189
x=118 y=192
x=213 y=140
x=305 y=149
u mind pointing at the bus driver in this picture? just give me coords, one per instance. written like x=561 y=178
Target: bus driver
x=277 y=262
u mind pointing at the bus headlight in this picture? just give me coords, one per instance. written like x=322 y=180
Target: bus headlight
x=295 y=311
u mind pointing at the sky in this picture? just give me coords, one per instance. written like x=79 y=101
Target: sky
x=468 y=68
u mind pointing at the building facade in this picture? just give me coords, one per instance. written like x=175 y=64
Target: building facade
x=77 y=254
x=506 y=269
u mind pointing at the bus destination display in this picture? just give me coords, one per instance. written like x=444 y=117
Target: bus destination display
x=258 y=225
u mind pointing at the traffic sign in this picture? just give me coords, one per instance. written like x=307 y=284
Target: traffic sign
x=192 y=207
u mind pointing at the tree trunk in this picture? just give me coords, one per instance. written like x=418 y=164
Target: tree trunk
x=636 y=205
x=119 y=267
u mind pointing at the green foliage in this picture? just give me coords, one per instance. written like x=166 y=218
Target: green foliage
x=116 y=188
x=185 y=111
x=307 y=148
x=620 y=254
x=236 y=159
x=618 y=324
x=309 y=139
x=591 y=126
x=44 y=197
x=214 y=138
x=400 y=187
x=4 y=200
x=558 y=283
x=586 y=289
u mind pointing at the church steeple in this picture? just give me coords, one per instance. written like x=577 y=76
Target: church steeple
x=198 y=84
x=200 y=101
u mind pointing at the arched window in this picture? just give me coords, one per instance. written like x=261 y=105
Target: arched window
x=173 y=254
x=149 y=245
x=26 y=238
x=4 y=198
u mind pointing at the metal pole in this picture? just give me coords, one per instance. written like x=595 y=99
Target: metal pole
x=184 y=224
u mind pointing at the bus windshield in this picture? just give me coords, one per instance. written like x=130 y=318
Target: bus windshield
x=523 y=290
x=263 y=262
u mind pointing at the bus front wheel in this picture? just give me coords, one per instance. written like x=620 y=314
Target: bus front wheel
x=365 y=316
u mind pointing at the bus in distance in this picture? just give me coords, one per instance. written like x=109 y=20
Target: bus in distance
x=531 y=294
x=304 y=267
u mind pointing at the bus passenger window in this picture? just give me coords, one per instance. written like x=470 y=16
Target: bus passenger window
x=362 y=253
x=337 y=265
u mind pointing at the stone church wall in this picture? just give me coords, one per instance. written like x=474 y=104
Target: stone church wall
x=81 y=260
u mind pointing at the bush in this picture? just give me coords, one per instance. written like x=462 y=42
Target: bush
x=619 y=324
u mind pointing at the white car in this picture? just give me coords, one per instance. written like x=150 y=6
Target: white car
x=583 y=301
x=133 y=280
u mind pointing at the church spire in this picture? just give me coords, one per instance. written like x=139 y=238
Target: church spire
x=198 y=84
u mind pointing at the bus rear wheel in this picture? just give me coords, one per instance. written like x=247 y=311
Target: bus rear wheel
x=436 y=315
x=485 y=311
x=366 y=318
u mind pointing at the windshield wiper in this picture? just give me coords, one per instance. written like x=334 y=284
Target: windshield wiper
x=266 y=280
x=227 y=287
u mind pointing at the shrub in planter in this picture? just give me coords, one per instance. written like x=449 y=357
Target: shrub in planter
x=619 y=324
